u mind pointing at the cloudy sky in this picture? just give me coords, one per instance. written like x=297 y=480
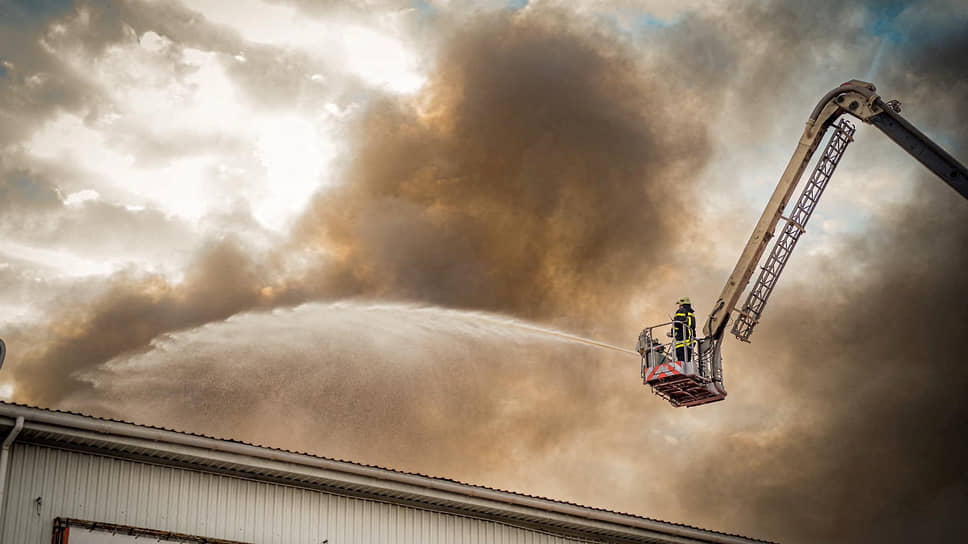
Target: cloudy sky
x=305 y=224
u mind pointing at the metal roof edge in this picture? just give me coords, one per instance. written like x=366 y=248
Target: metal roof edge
x=169 y=444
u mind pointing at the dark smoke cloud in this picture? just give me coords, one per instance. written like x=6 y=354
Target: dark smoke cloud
x=127 y=314
x=865 y=359
x=513 y=185
x=532 y=178
x=864 y=356
x=543 y=173
x=930 y=77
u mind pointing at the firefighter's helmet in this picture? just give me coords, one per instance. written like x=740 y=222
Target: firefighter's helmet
x=683 y=300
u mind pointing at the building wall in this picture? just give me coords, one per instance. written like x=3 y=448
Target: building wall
x=105 y=489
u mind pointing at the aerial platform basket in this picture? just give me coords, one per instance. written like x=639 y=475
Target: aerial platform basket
x=696 y=381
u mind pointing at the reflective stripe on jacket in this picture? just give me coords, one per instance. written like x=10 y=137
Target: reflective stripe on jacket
x=684 y=326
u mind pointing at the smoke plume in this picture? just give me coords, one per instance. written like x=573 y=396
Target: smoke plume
x=555 y=170
x=536 y=176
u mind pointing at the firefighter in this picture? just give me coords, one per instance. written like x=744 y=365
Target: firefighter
x=684 y=329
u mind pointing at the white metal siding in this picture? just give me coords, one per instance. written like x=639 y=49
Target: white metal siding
x=106 y=489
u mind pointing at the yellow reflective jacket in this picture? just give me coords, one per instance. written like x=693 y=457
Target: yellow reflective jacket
x=684 y=326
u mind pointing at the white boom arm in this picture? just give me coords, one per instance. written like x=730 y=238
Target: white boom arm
x=859 y=99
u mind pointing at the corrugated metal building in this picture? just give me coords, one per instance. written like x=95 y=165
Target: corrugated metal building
x=67 y=477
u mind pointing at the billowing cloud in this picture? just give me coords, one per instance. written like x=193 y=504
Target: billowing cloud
x=534 y=177
x=857 y=459
x=581 y=171
x=855 y=354
x=427 y=211
x=127 y=313
x=37 y=213
x=33 y=83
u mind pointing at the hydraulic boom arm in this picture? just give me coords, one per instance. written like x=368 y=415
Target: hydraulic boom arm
x=859 y=99
x=695 y=377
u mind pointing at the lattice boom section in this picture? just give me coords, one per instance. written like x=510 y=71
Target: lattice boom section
x=794 y=228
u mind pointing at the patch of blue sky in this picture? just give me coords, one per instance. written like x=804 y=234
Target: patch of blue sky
x=425 y=8
x=637 y=22
x=648 y=20
x=883 y=25
x=32 y=9
x=428 y=10
x=883 y=20
x=895 y=31
x=26 y=189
